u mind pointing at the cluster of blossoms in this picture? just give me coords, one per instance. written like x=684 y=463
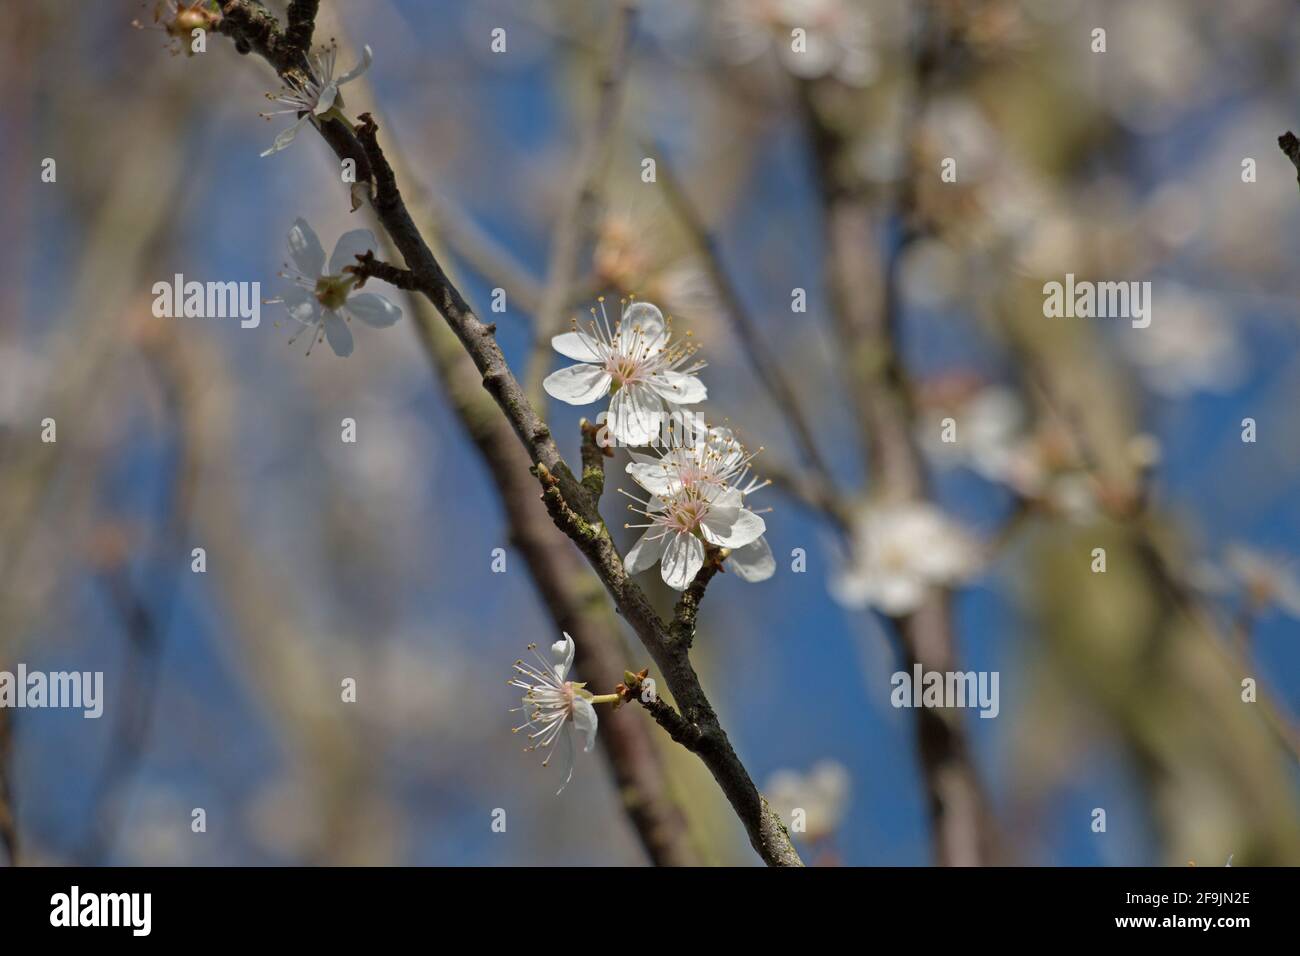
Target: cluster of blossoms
x=697 y=492
x=696 y=480
x=991 y=435
x=987 y=429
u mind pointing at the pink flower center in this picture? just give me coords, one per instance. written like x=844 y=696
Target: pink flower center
x=685 y=514
x=625 y=369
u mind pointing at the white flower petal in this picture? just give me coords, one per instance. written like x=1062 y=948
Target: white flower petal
x=724 y=499
x=302 y=305
x=646 y=552
x=284 y=138
x=656 y=479
x=897 y=594
x=584 y=721
x=578 y=384
x=373 y=309
x=350 y=245
x=325 y=102
x=753 y=562
x=642 y=329
x=679 y=388
x=566 y=736
x=682 y=560
x=367 y=57
x=563 y=652
x=635 y=415
x=338 y=334
x=731 y=529
x=578 y=346
x=305 y=249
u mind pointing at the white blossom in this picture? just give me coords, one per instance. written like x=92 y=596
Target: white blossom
x=635 y=361
x=326 y=301
x=836 y=37
x=1269 y=580
x=312 y=99
x=691 y=502
x=715 y=462
x=989 y=429
x=899 y=552
x=822 y=794
x=1190 y=346
x=554 y=706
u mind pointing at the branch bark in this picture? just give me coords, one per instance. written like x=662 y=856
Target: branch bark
x=8 y=818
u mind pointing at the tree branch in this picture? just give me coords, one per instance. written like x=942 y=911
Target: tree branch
x=688 y=605
x=567 y=500
x=8 y=818
x=593 y=459
x=1291 y=146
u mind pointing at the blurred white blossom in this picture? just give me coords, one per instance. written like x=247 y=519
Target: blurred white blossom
x=1269 y=580
x=836 y=39
x=822 y=794
x=1190 y=346
x=898 y=552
